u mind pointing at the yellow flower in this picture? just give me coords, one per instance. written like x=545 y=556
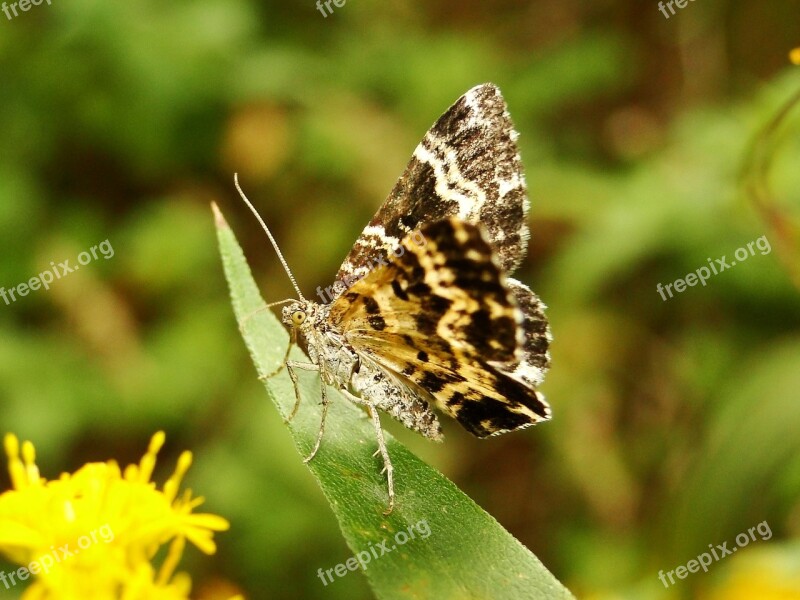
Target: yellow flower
x=766 y=574
x=92 y=535
x=794 y=56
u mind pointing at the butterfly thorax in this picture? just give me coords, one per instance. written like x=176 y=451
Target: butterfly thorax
x=325 y=345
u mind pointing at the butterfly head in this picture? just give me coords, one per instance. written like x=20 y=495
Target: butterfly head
x=301 y=314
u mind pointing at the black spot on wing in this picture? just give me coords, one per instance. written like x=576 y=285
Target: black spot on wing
x=435 y=382
x=483 y=330
x=426 y=323
x=432 y=382
x=433 y=308
x=420 y=289
x=376 y=322
x=479 y=330
x=398 y=291
x=470 y=259
x=413 y=272
x=410 y=222
x=437 y=305
x=371 y=306
x=518 y=393
x=504 y=329
x=456 y=400
x=443 y=233
x=482 y=283
x=486 y=416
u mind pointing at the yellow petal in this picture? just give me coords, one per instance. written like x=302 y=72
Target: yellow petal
x=209 y=521
x=118 y=519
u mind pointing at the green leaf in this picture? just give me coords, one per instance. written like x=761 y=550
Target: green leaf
x=465 y=554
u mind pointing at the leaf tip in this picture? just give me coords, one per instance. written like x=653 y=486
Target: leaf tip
x=219 y=220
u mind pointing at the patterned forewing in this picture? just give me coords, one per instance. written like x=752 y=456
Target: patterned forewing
x=467 y=166
x=441 y=319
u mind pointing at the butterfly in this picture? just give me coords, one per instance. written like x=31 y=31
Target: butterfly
x=422 y=313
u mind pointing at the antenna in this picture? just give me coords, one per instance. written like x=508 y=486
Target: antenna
x=269 y=235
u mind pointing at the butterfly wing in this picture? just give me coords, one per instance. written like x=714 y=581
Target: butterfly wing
x=467 y=166
x=441 y=318
x=533 y=359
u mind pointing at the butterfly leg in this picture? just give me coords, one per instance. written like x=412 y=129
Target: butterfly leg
x=387 y=464
x=382 y=450
x=291 y=365
x=325 y=403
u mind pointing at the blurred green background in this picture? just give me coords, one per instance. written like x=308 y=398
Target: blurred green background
x=675 y=422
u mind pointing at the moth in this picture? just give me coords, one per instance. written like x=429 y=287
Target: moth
x=423 y=313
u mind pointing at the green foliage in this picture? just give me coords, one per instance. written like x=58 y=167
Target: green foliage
x=672 y=420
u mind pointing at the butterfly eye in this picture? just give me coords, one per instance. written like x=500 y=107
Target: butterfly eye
x=298 y=317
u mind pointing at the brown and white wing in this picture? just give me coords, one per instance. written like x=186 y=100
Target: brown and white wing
x=442 y=318
x=468 y=167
